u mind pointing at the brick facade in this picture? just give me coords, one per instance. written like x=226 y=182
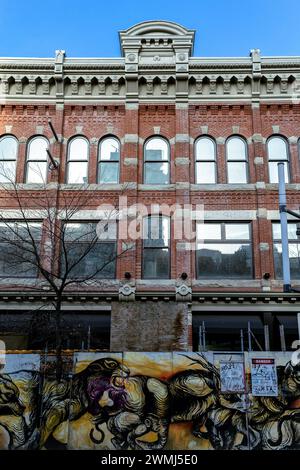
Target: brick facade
x=158 y=88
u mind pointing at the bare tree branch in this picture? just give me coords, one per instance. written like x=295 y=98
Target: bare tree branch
x=54 y=253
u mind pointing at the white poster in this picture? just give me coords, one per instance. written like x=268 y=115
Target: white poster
x=264 y=378
x=232 y=375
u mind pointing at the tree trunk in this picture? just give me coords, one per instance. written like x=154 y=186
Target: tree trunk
x=58 y=338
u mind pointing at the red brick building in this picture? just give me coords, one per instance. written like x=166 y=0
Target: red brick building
x=170 y=128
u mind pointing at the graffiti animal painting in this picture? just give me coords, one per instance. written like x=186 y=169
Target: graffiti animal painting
x=143 y=401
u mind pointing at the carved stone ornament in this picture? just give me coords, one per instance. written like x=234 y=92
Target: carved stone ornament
x=127 y=293
x=199 y=87
x=131 y=57
x=181 y=68
x=101 y=87
x=60 y=55
x=115 y=88
x=88 y=88
x=32 y=87
x=164 y=87
x=5 y=88
x=74 y=87
x=149 y=87
x=46 y=88
x=213 y=87
x=131 y=68
x=226 y=87
x=183 y=293
x=19 y=87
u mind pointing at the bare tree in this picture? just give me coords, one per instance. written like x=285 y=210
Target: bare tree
x=41 y=235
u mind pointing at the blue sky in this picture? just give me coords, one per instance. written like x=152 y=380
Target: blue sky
x=35 y=28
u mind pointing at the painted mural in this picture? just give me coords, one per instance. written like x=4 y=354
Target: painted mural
x=148 y=401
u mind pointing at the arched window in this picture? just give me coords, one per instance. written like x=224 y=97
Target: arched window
x=8 y=158
x=109 y=160
x=156 y=247
x=205 y=160
x=77 y=166
x=237 y=163
x=277 y=152
x=37 y=160
x=156 y=161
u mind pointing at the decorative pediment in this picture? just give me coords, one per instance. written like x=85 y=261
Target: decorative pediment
x=150 y=28
x=161 y=35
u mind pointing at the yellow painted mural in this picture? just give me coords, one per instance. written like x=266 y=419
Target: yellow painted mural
x=151 y=401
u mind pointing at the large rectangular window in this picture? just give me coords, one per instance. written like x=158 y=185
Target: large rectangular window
x=224 y=250
x=18 y=242
x=90 y=250
x=294 y=250
x=156 y=262
x=227 y=331
x=34 y=329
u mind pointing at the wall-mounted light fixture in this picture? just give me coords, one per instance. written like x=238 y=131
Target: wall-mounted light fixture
x=54 y=163
x=53 y=130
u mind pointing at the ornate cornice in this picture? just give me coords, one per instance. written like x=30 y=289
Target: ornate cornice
x=88 y=67
x=221 y=65
x=108 y=66
x=280 y=64
x=198 y=298
x=157 y=65
x=16 y=66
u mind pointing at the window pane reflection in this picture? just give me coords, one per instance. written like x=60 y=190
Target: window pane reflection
x=236 y=149
x=7 y=171
x=36 y=172
x=98 y=257
x=78 y=149
x=78 y=172
x=294 y=252
x=156 y=263
x=205 y=172
x=156 y=150
x=277 y=149
x=237 y=172
x=205 y=149
x=109 y=173
x=8 y=148
x=37 y=149
x=208 y=231
x=156 y=173
x=224 y=260
x=273 y=172
x=109 y=150
x=237 y=232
